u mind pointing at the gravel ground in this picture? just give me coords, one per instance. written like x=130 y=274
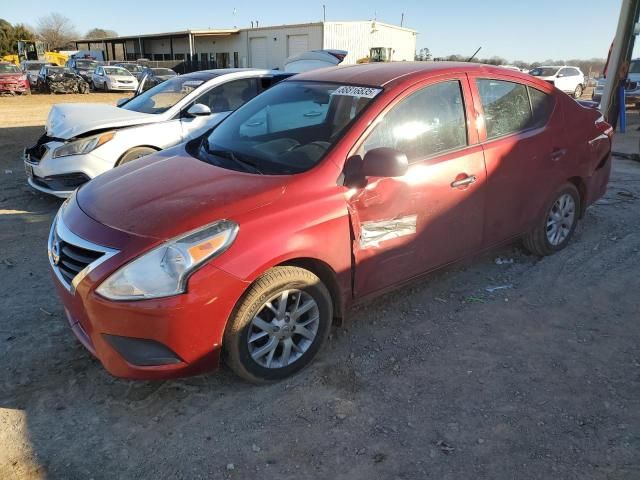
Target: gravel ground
x=441 y=380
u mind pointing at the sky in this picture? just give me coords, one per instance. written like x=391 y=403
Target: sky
x=512 y=29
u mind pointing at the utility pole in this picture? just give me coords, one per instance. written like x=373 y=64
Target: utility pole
x=324 y=12
x=619 y=59
x=402 y=19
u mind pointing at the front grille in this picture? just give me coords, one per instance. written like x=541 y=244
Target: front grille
x=73 y=259
x=66 y=182
x=36 y=152
x=71 y=256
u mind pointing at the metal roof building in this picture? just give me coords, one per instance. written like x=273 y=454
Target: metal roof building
x=263 y=47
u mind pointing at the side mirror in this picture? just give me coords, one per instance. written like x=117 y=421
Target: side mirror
x=199 y=110
x=121 y=101
x=384 y=162
x=560 y=75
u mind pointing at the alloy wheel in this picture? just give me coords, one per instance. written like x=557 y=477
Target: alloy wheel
x=561 y=219
x=284 y=328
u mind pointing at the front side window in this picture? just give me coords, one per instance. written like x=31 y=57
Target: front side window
x=287 y=129
x=427 y=122
x=506 y=107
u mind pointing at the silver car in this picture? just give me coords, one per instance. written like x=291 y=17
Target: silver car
x=109 y=78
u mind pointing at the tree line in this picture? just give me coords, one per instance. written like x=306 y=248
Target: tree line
x=591 y=66
x=55 y=30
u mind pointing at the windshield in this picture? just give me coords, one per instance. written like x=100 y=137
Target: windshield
x=162 y=97
x=55 y=69
x=288 y=129
x=163 y=71
x=34 y=66
x=116 y=71
x=86 y=64
x=132 y=67
x=8 y=68
x=544 y=71
x=634 y=67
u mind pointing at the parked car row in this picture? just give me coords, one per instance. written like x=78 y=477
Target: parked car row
x=278 y=200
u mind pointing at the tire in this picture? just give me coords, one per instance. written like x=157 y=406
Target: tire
x=303 y=288
x=105 y=88
x=92 y=86
x=577 y=93
x=135 y=153
x=539 y=240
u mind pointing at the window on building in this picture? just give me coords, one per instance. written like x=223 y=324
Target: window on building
x=427 y=122
x=236 y=61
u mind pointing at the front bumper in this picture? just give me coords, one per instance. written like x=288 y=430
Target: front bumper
x=181 y=334
x=123 y=87
x=61 y=176
x=20 y=87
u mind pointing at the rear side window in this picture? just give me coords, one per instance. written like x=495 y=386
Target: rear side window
x=506 y=107
x=427 y=122
x=542 y=106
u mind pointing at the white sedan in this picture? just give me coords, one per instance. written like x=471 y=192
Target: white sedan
x=82 y=141
x=109 y=78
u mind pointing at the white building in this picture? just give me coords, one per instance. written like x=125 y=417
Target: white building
x=263 y=47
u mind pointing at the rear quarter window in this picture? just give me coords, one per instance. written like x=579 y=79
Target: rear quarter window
x=542 y=105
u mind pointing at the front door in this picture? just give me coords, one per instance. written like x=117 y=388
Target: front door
x=433 y=214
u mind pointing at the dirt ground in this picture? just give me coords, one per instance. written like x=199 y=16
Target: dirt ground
x=442 y=380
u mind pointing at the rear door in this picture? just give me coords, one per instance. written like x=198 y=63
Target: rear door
x=524 y=149
x=432 y=215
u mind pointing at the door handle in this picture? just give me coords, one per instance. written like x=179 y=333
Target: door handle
x=558 y=153
x=464 y=181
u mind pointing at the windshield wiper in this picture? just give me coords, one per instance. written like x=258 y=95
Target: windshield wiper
x=248 y=166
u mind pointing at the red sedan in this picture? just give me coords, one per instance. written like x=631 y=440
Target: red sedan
x=13 y=80
x=330 y=188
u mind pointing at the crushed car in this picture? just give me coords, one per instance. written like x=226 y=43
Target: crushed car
x=53 y=79
x=13 y=80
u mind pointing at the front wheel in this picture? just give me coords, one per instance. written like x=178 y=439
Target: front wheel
x=279 y=326
x=554 y=231
x=135 y=153
x=577 y=93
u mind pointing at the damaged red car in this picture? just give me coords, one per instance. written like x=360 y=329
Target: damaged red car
x=13 y=80
x=331 y=187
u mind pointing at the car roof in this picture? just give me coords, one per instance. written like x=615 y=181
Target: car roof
x=386 y=74
x=214 y=73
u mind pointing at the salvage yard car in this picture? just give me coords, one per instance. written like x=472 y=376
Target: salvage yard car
x=82 y=141
x=329 y=188
x=54 y=79
x=31 y=68
x=154 y=76
x=12 y=80
x=565 y=78
x=110 y=78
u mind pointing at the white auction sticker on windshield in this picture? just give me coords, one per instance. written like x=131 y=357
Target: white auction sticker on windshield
x=192 y=83
x=353 y=91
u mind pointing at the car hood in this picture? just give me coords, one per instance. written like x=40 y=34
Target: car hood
x=169 y=193
x=68 y=120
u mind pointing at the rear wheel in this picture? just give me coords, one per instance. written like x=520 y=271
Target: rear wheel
x=105 y=86
x=577 y=93
x=554 y=231
x=135 y=153
x=279 y=326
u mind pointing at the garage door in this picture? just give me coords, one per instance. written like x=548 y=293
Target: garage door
x=258 y=51
x=297 y=44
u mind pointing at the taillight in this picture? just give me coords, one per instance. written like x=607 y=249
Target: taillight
x=604 y=127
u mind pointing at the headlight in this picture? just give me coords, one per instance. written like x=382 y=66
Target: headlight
x=83 y=145
x=164 y=271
